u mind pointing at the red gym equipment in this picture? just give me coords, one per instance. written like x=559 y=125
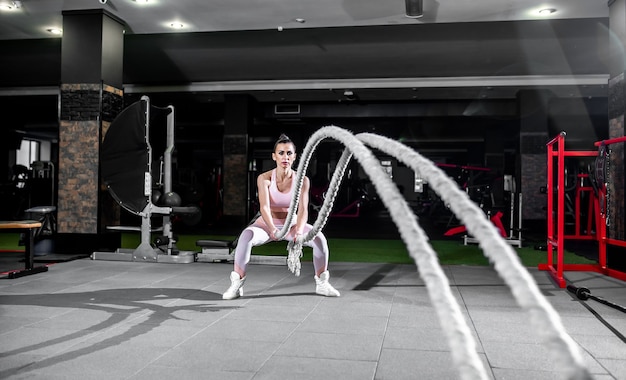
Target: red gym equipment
x=597 y=206
x=496 y=219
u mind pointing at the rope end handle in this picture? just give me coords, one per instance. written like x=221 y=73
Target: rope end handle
x=294 y=249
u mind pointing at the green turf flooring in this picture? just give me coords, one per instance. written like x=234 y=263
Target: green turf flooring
x=450 y=252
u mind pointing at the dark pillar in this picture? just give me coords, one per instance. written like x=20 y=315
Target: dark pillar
x=534 y=134
x=237 y=120
x=494 y=149
x=617 y=108
x=91 y=97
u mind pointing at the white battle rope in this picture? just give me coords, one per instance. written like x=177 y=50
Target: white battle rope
x=462 y=344
x=295 y=247
x=544 y=318
x=506 y=262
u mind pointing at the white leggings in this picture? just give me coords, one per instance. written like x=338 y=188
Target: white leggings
x=257 y=234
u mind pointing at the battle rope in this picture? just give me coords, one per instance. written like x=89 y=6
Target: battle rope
x=501 y=254
x=294 y=248
x=462 y=344
x=495 y=248
x=584 y=294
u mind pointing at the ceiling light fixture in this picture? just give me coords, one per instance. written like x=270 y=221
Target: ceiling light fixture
x=56 y=31
x=546 y=11
x=414 y=8
x=141 y=1
x=177 y=25
x=9 y=6
x=350 y=95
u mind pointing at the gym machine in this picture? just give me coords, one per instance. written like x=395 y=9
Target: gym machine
x=599 y=209
x=126 y=166
x=514 y=234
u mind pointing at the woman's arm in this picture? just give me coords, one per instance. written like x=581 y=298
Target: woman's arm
x=303 y=207
x=263 y=185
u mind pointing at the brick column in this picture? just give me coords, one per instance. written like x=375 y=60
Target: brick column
x=533 y=111
x=237 y=119
x=82 y=127
x=91 y=97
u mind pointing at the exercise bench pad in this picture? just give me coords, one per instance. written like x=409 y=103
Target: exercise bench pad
x=19 y=224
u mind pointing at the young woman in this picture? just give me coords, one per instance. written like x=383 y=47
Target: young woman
x=275 y=188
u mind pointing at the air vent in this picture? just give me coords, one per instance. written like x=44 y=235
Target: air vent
x=287 y=109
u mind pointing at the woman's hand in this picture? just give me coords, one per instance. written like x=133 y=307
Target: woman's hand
x=294 y=232
x=273 y=234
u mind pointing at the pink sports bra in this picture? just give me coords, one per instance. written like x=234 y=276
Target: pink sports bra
x=279 y=200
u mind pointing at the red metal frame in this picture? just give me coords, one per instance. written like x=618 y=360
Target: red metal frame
x=496 y=219
x=346 y=211
x=557 y=238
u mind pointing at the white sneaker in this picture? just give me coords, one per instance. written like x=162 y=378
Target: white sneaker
x=323 y=287
x=236 y=287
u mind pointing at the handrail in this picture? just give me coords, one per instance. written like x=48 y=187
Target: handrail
x=610 y=141
x=555 y=139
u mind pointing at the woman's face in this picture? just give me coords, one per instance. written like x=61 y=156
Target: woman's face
x=284 y=155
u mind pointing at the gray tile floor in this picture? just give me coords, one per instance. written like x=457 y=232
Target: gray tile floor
x=89 y=319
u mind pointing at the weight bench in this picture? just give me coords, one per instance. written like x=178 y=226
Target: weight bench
x=31 y=226
x=219 y=251
x=215 y=251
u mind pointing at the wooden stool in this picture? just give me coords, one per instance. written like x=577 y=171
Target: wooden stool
x=29 y=243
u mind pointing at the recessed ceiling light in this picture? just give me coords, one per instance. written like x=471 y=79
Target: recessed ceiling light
x=177 y=25
x=55 y=31
x=546 y=11
x=7 y=7
x=299 y=20
x=141 y=1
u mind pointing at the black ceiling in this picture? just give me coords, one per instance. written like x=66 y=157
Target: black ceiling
x=521 y=49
